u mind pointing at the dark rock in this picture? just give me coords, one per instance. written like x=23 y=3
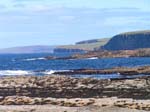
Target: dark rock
x=121 y=71
x=68 y=50
x=129 y=41
x=50 y=57
x=66 y=87
x=88 y=41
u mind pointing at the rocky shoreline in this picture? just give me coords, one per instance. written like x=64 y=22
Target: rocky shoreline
x=106 y=54
x=66 y=87
x=74 y=92
x=79 y=102
x=123 y=71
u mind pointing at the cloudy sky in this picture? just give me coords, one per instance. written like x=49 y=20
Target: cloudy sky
x=53 y=22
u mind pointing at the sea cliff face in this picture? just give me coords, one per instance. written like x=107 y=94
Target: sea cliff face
x=129 y=41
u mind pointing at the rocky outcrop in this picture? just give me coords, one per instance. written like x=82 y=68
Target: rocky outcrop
x=99 y=54
x=73 y=92
x=129 y=41
x=107 y=54
x=88 y=41
x=74 y=105
x=49 y=86
x=66 y=87
x=120 y=71
x=67 y=50
x=24 y=100
x=78 y=102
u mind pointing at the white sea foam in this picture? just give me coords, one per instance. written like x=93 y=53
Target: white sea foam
x=49 y=72
x=15 y=72
x=92 y=58
x=33 y=59
x=24 y=72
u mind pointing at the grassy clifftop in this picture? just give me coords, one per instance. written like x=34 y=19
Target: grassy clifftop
x=136 y=32
x=87 y=46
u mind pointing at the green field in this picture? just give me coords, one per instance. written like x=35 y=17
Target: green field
x=87 y=46
x=136 y=32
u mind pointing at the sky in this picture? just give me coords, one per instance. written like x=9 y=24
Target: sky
x=60 y=22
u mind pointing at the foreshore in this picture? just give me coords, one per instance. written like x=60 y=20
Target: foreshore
x=66 y=93
x=124 y=71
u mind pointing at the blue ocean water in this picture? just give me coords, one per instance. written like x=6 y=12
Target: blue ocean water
x=35 y=64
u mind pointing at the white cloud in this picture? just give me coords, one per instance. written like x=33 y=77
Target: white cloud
x=2 y=6
x=124 y=21
x=67 y=18
x=38 y=8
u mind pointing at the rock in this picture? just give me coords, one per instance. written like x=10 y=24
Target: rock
x=50 y=57
x=119 y=70
x=142 y=52
x=129 y=41
x=68 y=50
x=66 y=87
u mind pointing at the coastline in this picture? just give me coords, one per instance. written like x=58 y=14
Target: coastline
x=143 y=52
x=122 y=71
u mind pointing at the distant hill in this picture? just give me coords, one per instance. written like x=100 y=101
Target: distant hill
x=27 y=49
x=88 y=41
x=129 y=41
x=87 y=45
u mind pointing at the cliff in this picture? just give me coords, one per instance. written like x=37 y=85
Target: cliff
x=129 y=41
x=82 y=46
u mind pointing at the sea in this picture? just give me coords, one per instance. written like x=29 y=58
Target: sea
x=37 y=65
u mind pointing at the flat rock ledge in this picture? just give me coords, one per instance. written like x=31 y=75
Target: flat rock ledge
x=67 y=87
x=75 y=92
x=78 y=102
x=124 y=71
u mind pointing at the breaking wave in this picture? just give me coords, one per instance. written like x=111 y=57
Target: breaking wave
x=49 y=72
x=15 y=72
x=24 y=72
x=92 y=58
x=34 y=59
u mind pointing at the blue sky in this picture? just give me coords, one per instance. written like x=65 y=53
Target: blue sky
x=53 y=22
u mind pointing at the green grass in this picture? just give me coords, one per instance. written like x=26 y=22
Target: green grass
x=87 y=47
x=136 y=32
